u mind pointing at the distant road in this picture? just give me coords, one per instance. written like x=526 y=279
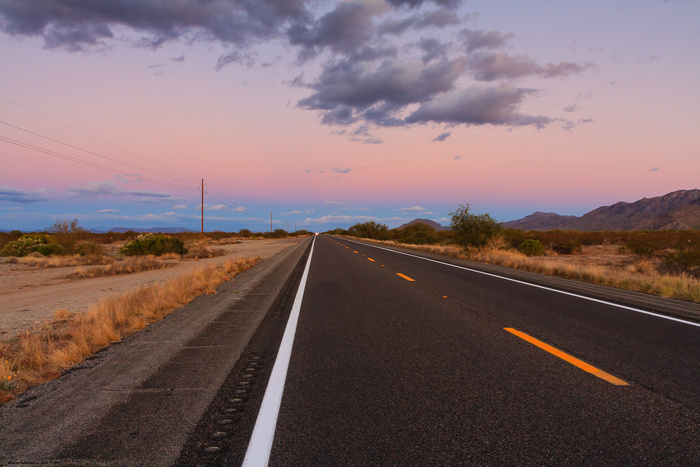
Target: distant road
x=399 y=360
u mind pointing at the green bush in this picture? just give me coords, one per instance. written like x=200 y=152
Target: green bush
x=531 y=247
x=30 y=243
x=153 y=244
x=473 y=230
x=277 y=233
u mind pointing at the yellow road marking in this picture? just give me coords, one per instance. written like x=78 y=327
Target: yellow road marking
x=371 y=259
x=354 y=251
x=573 y=360
x=405 y=277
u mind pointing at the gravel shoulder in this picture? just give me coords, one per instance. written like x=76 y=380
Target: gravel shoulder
x=29 y=296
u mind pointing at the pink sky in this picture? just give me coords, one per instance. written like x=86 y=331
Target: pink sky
x=622 y=127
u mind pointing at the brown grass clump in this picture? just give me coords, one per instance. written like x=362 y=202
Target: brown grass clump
x=128 y=265
x=199 y=249
x=641 y=276
x=33 y=358
x=44 y=262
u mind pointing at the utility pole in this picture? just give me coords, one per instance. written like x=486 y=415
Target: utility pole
x=287 y=225
x=202 y=208
x=270 y=221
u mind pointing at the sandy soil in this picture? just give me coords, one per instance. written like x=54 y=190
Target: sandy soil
x=29 y=296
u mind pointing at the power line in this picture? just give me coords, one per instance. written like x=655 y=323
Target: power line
x=91 y=152
x=87 y=134
x=92 y=164
x=224 y=201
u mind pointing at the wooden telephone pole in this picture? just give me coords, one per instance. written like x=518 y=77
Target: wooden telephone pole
x=202 y=208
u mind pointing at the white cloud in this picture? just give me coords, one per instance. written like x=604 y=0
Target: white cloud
x=412 y=209
x=105 y=211
x=291 y=212
x=217 y=207
x=347 y=219
x=180 y=206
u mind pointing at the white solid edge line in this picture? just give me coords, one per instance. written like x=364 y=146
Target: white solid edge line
x=637 y=310
x=260 y=445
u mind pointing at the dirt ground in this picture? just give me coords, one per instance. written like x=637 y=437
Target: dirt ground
x=29 y=296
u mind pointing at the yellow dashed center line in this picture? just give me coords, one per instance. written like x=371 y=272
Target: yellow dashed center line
x=405 y=277
x=370 y=259
x=354 y=251
x=573 y=360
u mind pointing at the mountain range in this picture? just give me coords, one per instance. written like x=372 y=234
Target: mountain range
x=677 y=210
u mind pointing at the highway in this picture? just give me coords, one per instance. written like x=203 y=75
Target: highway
x=399 y=360
x=340 y=352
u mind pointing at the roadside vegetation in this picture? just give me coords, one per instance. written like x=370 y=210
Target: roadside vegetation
x=664 y=263
x=39 y=356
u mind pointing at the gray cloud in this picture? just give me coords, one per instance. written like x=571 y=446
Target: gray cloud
x=493 y=66
x=75 y=25
x=436 y=18
x=478 y=105
x=14 y=195
x=347 y=91
x=108 y=189
x=441 y=136
x=475 y=40
x=432 y=49
x=345 y=29
x=417 y=3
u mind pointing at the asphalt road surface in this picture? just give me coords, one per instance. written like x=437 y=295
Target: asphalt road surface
x=399 y=360
x=346 y=353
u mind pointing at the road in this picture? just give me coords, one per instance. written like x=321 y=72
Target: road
x=351 y=353
x=398 y=360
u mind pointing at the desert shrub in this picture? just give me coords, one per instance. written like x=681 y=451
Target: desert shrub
x=472 y=230
x=300 y=233
x=29 y=243
x=153 y=244
x=244 y=233
x=531 y=247
x=567 y=247
x=68 y=234
x=90 y=249
x=277 y=233
x=370 y=229
x=640 y=248
x=685 y=260
x=416 y=234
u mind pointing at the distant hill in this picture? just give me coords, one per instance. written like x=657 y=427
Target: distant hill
x=677 y=210
x=432 y=224
x=136 y=229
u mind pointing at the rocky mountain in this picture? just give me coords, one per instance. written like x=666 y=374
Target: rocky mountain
x=677 y=210
x=432 y=224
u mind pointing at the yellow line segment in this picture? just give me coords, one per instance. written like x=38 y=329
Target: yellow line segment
x=573 y=360
x=405 y=277
x=371 y=259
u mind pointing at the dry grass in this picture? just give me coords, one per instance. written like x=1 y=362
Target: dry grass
x=128 y=265
x=44 y=262
x=639 y=276
x=199 y=249
x=37 y=357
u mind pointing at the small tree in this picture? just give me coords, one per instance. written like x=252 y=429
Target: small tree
x=472 y=230
x=369 y=229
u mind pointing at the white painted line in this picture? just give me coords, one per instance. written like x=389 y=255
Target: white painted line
x=629 y=308
x=260 y=445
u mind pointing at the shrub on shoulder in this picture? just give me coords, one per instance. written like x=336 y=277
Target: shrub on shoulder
x=153 y=244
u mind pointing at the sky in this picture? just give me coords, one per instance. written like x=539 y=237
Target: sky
x=323 y=114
